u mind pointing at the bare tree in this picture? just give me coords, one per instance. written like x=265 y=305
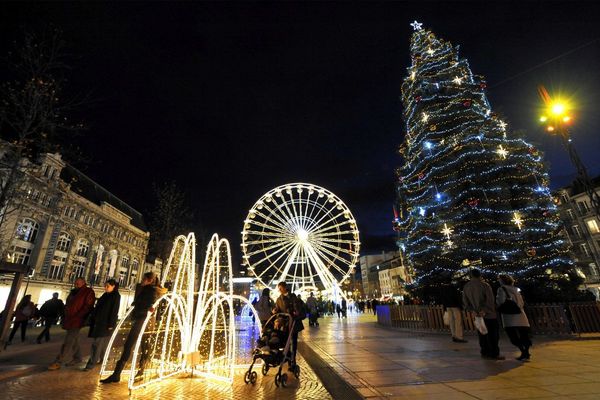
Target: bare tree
x=170 y=217
x=32 y=108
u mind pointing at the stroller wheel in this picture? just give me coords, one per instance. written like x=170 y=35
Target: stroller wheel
x=277 y=379
x=247 y=377
x=284 y=379
x=265 y=369
x=253 y=377
x=297 y=371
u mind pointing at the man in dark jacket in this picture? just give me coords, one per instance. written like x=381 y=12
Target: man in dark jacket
x=288 y=303
x=79 y=305
x=145 y=298
x=478 y=299
x=50 y=312
x=103 y=321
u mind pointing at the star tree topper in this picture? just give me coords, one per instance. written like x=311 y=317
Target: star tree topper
x=417 y=26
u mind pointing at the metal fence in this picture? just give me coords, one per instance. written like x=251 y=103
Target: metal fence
x=549 y=319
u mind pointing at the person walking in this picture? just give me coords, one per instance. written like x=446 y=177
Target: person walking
x=452 y=301
x=478 y=299
x=288 y=303
x=24 y=312
x=313 y=310
x=50 y=312
x=264 y=307
x=147 y=294
x=516 y=326
x=103 y=321
x=80 y=303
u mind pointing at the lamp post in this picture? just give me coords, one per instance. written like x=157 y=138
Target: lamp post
x=557 y=121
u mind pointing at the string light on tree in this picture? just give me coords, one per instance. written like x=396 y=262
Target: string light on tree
x=457 y=80
x=502 y=152
x=517 y=220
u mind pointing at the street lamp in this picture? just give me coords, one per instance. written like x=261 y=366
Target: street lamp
x=557 y=120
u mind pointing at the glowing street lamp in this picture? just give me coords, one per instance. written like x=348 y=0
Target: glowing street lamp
x=557 y=120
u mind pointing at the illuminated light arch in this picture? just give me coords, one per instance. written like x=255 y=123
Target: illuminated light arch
x=302 y=234
x=174 y=339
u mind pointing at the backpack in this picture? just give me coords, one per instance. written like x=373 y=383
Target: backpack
x=300 y=308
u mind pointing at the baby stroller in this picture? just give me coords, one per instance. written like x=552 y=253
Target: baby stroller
x=274 y=349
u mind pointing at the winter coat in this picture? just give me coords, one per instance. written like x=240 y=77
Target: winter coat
x=478 y=296
x=264 y=308
x=52 y=309
x=311 y=304
x=144 y=299
x=79 y=305
x=450 y=296
x=510 y=320
x=291 y=304
x=105 y=314
x=25 y=312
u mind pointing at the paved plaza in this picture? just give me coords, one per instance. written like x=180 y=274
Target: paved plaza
x=348 y=359
x=23 y=375
x=384 y=363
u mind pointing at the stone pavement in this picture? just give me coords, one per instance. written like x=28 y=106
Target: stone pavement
x=30 y=361
x=384 y=363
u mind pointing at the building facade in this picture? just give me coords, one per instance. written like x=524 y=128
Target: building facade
x=383 y=274
x=582 y=229
x=64 y=226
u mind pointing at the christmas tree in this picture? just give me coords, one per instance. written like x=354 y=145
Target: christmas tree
x=470 y=192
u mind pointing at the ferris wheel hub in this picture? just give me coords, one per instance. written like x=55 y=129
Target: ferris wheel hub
x=302 y=235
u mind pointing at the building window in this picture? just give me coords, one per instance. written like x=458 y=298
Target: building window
x=584 y=249
x=27 y=230
x=576 y=231
x=83 y=247
x=64 y=242
x=593 y=269
x=125 y=262
x=57 y=268
x=592 y=225
x=583 y=206
x=78 y=269
x=19 y=255
x=122 y=277
x=570 y=214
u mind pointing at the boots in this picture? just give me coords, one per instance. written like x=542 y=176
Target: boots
x=524 y=354
x=116 y=375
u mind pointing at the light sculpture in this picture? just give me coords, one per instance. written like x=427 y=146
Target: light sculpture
x=187 y=331
x=302 y=234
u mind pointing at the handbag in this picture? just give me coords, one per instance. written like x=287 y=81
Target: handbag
x=509 y=306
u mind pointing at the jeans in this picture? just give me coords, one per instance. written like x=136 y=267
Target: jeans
x=23 y=325
x=98 y=349
x=489 y=342
x=71 y=344
x=134 y=332
x=48 y=322
x=456 y=326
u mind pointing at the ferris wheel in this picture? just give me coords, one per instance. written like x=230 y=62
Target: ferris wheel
x=301 y=234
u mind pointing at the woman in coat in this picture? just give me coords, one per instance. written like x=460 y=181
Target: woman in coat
x=103 y=321
x=264 y=307
x=515 y=325
x=24 y=312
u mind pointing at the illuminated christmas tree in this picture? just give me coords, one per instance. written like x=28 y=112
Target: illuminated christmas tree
x=470 y=192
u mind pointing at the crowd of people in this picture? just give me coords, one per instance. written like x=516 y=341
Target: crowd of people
x=82 y=309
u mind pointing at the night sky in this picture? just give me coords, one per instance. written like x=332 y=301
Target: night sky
x=231 y=100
